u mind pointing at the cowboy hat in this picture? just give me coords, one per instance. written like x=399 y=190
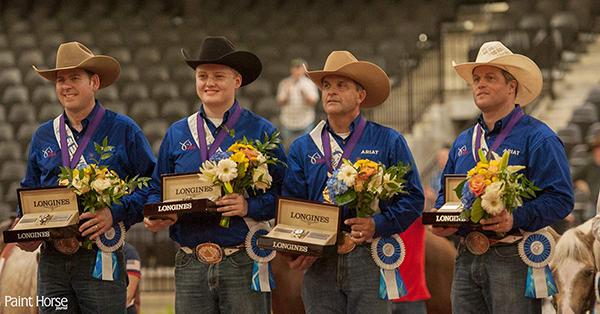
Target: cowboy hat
x=219 y=50
x=74 y=55
x=525 y=71
x=371 y=77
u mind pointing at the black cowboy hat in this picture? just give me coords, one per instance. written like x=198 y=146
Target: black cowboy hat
x=219 y=50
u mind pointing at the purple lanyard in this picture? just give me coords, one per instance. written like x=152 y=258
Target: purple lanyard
x=358 y=131
x=89 y=132
x=204 y=151
x=503 y=134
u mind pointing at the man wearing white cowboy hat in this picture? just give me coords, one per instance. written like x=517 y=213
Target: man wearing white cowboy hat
x=65 y=271
x=494 y=280
x=349 y=281
x=204 y=284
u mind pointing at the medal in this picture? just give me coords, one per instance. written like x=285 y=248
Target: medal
x=477 y=243
x=67 y=246
x=209 y=253
x=346 y=245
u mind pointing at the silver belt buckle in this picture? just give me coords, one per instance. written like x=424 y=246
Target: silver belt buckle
x=209 y=253
x=477 y=243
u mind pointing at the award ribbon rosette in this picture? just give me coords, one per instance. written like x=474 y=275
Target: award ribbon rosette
x=262 y=275
x=107 y=267
x=536 y=250
x=388 y=253
x=596 y=309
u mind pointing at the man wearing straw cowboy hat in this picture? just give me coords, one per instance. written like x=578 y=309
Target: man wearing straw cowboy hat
x=491 y=277
x=349 y=281
x=66 y=270
x=205 y=284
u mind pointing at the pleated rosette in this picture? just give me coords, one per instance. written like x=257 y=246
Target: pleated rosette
x=388 y=253
x=262 y=275
x=536 y=250
x=107 y=266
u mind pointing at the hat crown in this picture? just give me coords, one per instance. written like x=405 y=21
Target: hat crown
x=492 y=50
x=215 y=47
x=72 y=54
x=338 y=59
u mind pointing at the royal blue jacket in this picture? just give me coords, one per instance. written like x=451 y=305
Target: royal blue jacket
x=132 y=156
x=179 y=154
x=306 y=175
x=531 y=144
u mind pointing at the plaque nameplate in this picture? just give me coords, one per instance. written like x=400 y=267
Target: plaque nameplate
x=48 y=213
x=303 y=227
x=183 y=193
x=449 y=214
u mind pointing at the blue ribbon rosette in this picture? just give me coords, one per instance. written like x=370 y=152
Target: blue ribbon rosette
x=388 y=253
x=107 y=266
x=536 y=250
x=262 y=275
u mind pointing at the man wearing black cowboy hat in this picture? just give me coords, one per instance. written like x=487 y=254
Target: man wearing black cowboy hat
x=205 y=284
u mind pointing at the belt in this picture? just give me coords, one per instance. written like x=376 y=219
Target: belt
x=478 y=243
x=211 y=253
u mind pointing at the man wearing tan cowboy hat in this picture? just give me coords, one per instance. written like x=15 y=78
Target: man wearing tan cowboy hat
x=492 y=278
x=349 y=281
x=66 y=269
x=220 y=283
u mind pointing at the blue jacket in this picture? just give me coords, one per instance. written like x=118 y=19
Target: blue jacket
x=531 y=144
x=306 y=175
x=176 y=156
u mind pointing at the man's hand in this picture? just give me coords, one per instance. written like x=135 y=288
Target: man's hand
x=503 y=222
x=233 y=205
x=99 y=222
x=156 y=225
x=362 y=229
x=442 y=231
x=29 y=246
x=299 y=262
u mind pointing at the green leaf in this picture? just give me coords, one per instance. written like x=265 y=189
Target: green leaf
x=477 y=211
x=98 y=148
x=105 y=156
x=346 y=198
x=459 y=188
x=105 y=141
x=465 y=214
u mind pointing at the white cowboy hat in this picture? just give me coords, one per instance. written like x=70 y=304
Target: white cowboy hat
x=74 y=55
x=371 y=77
x=525 y=71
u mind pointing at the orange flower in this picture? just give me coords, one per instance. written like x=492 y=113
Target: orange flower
x=250 y=153
x=366 y=172
x=477 y=184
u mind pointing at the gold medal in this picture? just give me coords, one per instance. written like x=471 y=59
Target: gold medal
x=67 y=246
x=346 y=245
x=209 y=253
x=477 y=243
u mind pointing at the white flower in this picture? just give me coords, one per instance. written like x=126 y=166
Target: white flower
x=376 y=183
x=261 y=158
x=347 y=174
x=100 y=185
x=491 y=200
x=81 y=185
x=208 y=172
x=513 y=169
x=226 y=170
x=264 y=182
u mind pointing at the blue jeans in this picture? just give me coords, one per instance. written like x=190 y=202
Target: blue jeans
x=345 y=283
x=70 y=276
x=409 y=307
x=218 y=288
x=494 y=282
x=288 y=136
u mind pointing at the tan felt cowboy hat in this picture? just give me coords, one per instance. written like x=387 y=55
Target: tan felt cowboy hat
x=367 y=74
x=74 y=55
x=494 y=53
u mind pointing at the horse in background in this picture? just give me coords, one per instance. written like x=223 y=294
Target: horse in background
x=18 y=277
x=574 y=267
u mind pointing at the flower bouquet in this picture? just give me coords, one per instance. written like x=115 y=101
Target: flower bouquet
x=361 y=185
x=492 y=186
x=97 y=186
x=243 y=166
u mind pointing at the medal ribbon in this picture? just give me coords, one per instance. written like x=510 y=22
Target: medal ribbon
x=205 y=152
x=501 y=137
x=73 y=162
x=358 y=132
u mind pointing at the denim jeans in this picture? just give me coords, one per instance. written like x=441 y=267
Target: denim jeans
x=344 y=283
x=494 y=282
x=222 y=288
x=70 y=276
x=409 y=307
x=288 y=136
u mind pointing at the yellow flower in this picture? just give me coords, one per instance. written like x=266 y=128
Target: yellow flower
x=237 y=146
x=75 y=172
x=472 y=172
x=494 y=163
x=239 y=157
x=488 y=182
x=495 y=179
x=482 y=171
x=365 y=163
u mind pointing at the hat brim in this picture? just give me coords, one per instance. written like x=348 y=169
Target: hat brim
x=246 y=63
x=525 y=71
x=107 y=68
x=370 y=76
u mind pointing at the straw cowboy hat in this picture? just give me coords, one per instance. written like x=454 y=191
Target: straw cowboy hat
x=74 y=55
x=219 y=50
x=371 y=77
x=494 y=53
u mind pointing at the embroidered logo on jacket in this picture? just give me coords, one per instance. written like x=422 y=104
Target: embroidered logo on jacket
x=316 y=158
x=463 y=150
x=512 y=151
x=187 y=145
x=370 y=152
x=48 y=152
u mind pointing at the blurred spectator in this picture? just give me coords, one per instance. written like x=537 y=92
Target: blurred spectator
x=298 y=95
x=587 y=177
x=134 y=273
x=432 y=191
